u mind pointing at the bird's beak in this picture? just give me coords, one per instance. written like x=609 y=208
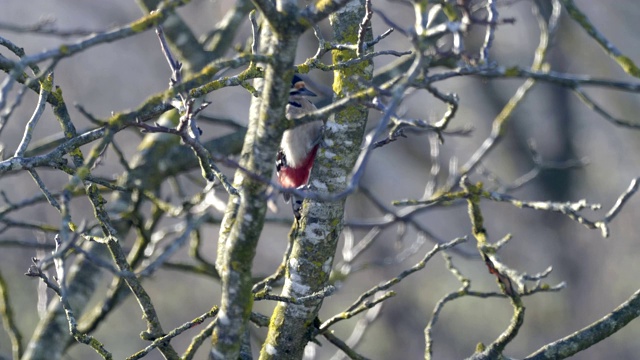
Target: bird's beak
x=306 y=92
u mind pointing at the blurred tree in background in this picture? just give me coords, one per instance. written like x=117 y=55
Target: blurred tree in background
x=467 y=149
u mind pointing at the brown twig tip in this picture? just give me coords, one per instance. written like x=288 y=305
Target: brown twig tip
x=505 y=282
x=34 y=270
x=389 y=139
x=175 y=65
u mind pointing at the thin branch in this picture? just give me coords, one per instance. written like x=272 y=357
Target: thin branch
x=360 y=302
x=592 y=334
x=255 y=32
x=353 y=311
x=198 y=340
x=570 y=209
x=175 y=332
x=265 y=284
x=591 y=104
x=539 y=165
x=492 y=19
x=311 y=298
x=581 y=18
x=47 y=194
x=352 y=354
x=622 y=200
x=136 y=27
x=359 y=330
x=25 y=244
x=45 y=88
x=364 y=25
x=9 y=321
x=46 y=26
x=567 y=80
x=175 y=65
x=61 y=290
x=168 y=251
x=6 y=114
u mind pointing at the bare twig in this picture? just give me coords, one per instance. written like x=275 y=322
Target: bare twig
x=175 y=65
x=327 y=291
x=266 y=283
x=9 y=321
x=168 y=251
x=359 y=330
x=50 y=198
x=361 y=304
x=46 y=26
x=592 y=334
x=45 y=88
x=591 y=104
x=362 y=28
x=581 y=18
x=145 y=23
x=198 y=340
x=175 y=332
x=343 y=346
x=61 y=290
x=492 y=19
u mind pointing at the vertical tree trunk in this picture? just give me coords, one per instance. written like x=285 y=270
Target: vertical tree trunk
x=309 y=267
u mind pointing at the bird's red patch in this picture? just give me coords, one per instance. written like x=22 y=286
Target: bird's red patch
x=290 y=177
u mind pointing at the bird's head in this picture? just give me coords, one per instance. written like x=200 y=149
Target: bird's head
x=298 y=87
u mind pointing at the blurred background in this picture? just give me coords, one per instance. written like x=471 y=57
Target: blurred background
x=600 y=273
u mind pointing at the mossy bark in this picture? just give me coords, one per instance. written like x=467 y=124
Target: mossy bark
x=244 y=217
x=309 y=267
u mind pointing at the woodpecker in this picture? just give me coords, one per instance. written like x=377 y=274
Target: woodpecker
x=299 y=145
